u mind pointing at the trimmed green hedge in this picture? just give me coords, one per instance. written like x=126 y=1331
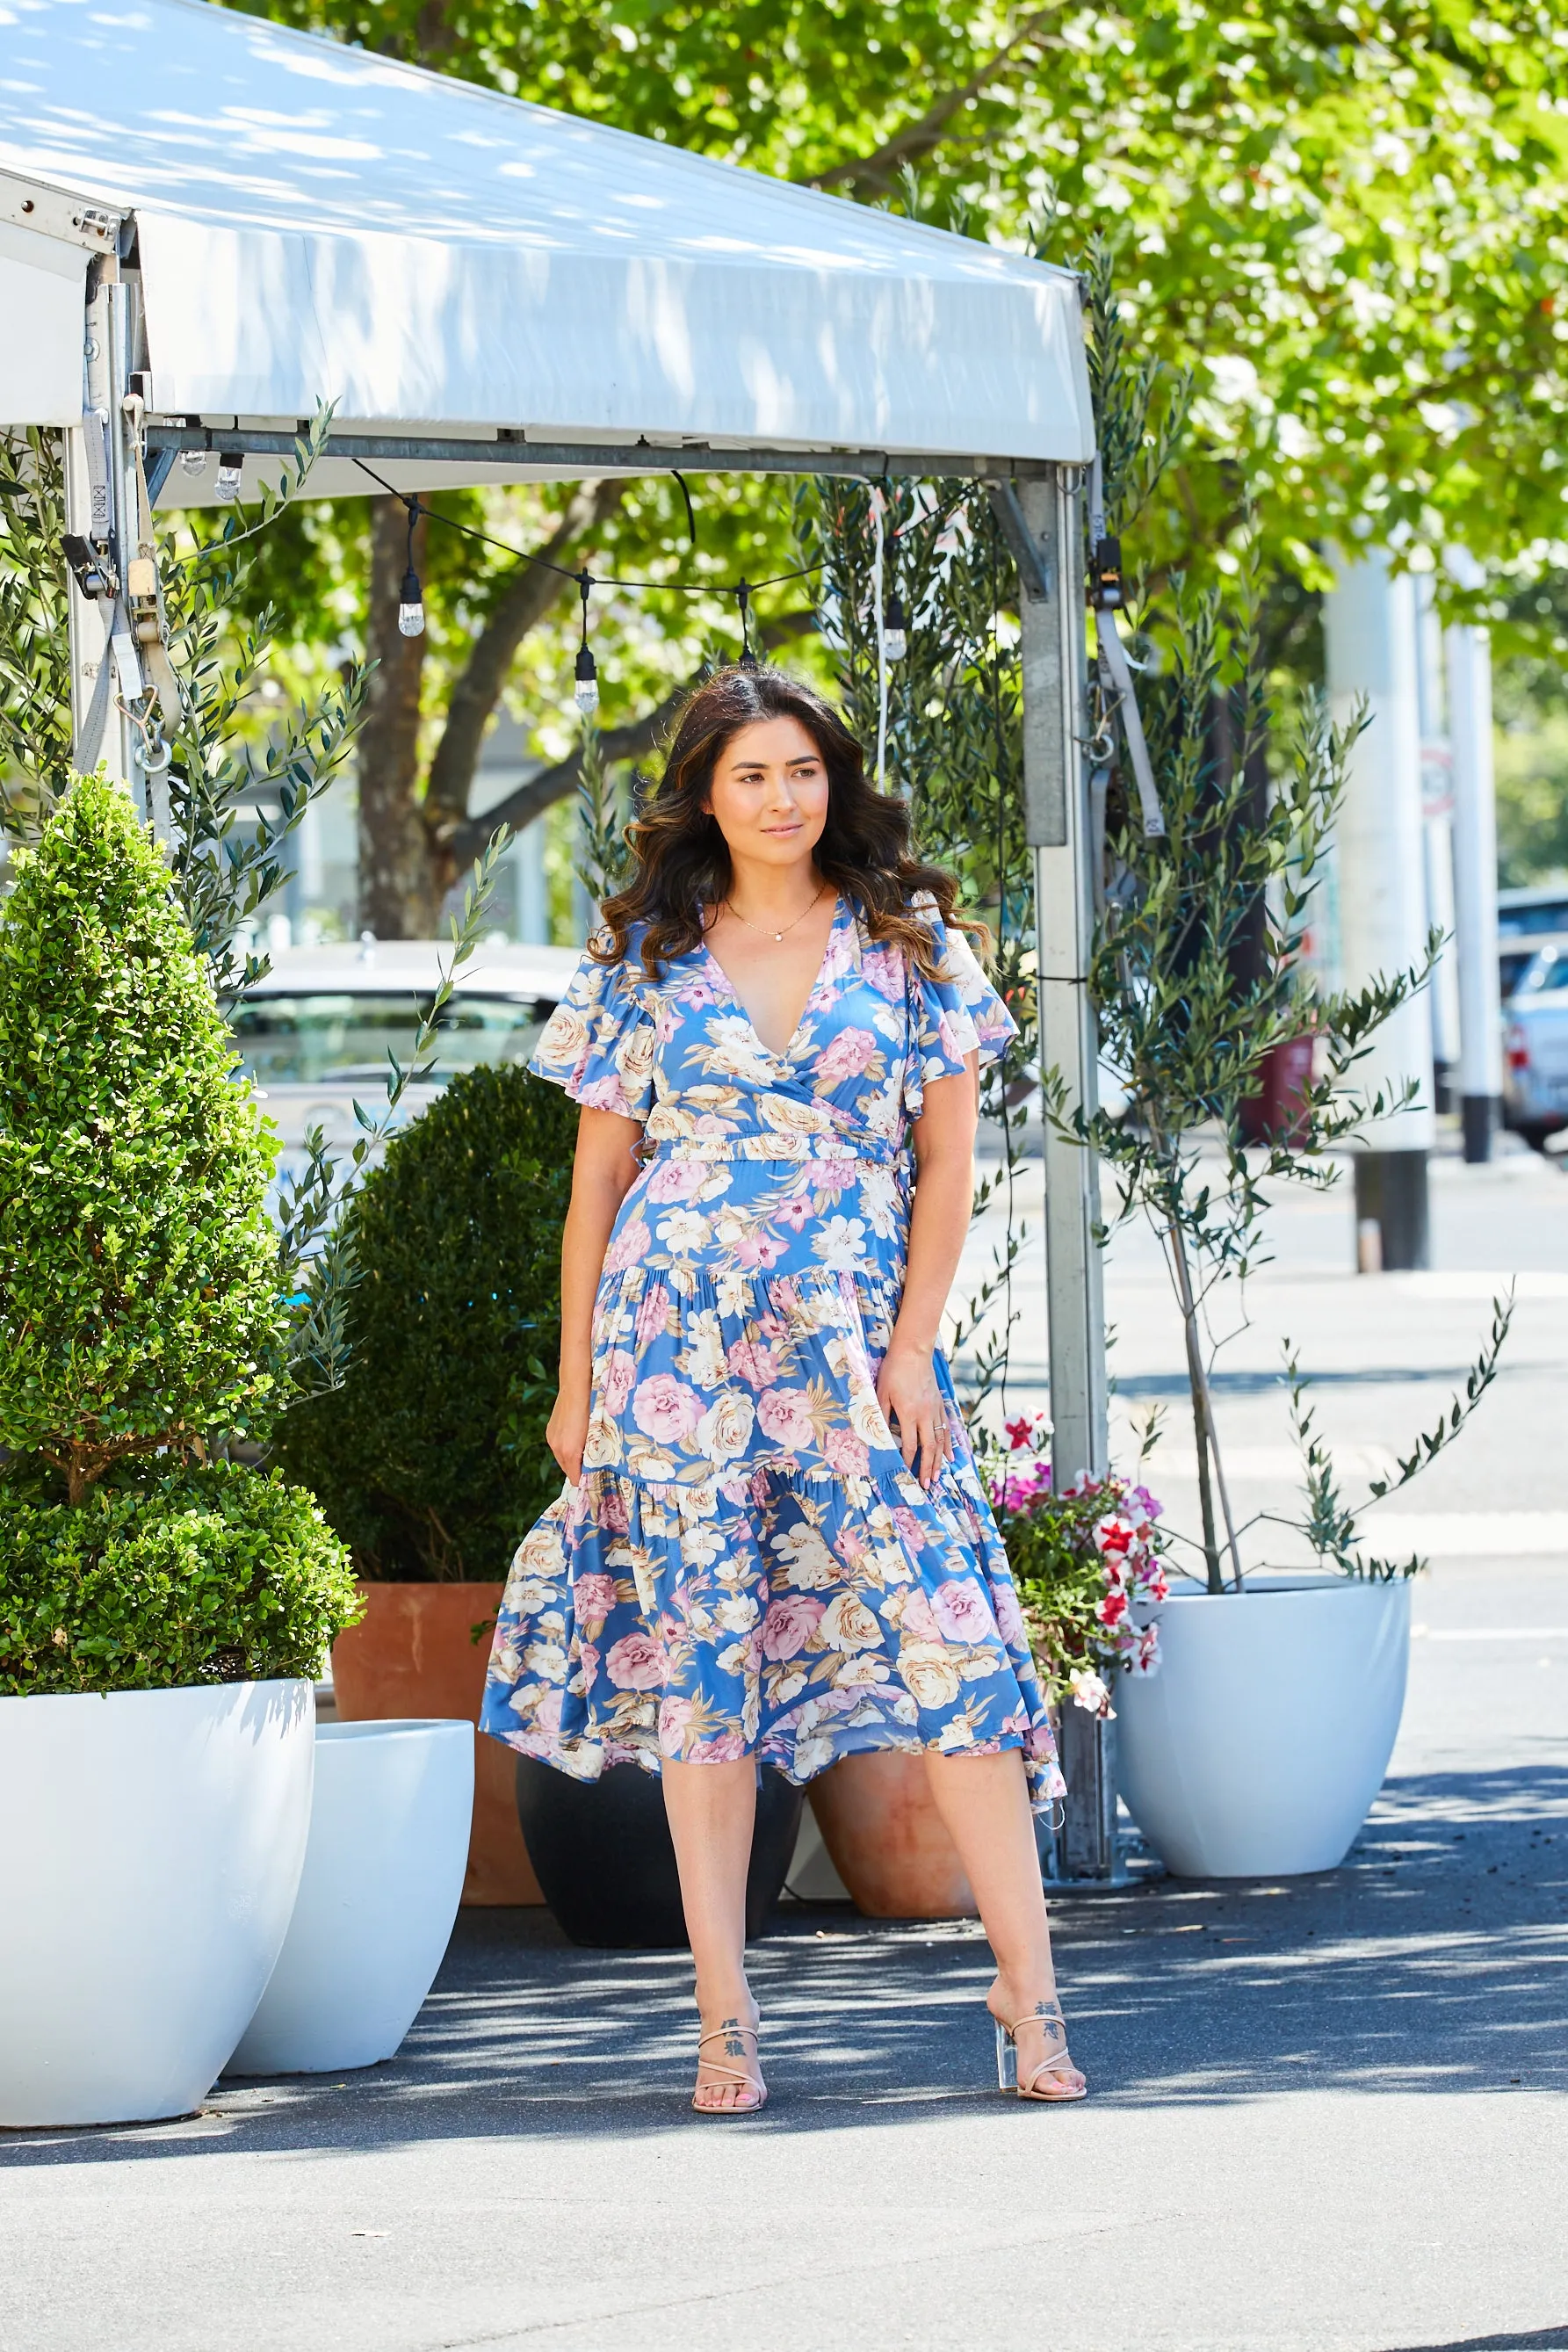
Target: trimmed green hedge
x=431 y=1460
x=140 y=1309
x=218 y=1574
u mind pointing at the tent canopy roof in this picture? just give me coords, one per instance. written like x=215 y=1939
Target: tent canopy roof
x=316 y=223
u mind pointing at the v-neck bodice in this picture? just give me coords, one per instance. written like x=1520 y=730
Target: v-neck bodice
x=779 y=1053
x=681 y=1054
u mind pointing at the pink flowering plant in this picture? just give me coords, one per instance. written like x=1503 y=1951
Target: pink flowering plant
x=1089 y=1568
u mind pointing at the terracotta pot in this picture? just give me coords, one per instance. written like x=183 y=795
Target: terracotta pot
x=886 y=1838
x=414 y=1653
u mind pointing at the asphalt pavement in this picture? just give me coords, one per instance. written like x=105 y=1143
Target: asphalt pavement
x=1328 y=2115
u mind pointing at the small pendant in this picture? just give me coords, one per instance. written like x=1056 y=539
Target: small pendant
x=778 y=935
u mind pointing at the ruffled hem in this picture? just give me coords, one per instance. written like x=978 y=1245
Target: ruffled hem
x=588 y=1760
x=788 y=1614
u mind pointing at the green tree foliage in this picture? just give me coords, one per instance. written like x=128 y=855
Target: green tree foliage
x=223 y=874
x=221 y=634
x=797 y=87
x=430 y=1460
x=1348 y=219
x=1532 y=774
x=202 y=1574
x=1197 y=974
x=1529 y=697
x=140 y=1311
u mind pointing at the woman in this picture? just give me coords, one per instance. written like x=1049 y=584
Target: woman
x=772 y=1540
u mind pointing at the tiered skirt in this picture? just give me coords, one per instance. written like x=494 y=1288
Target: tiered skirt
x=746 y=1566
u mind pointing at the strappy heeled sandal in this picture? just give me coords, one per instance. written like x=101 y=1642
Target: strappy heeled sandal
x=1055 y=2026
x=740 y=2106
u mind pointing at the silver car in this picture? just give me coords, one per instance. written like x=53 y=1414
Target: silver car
x=1528 y=920
x=315 y=1033
x=1535 y=1048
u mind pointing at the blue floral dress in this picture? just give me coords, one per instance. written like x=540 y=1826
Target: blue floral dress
x=745 y=1565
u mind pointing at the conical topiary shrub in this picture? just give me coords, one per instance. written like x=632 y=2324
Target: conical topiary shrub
x=142 y=1324
x=139 y=1299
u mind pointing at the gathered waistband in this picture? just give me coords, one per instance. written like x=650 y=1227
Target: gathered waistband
x=878 y=1151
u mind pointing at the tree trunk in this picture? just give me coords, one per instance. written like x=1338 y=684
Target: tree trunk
x=1204 y=1431
x=397 y=899
x=523 y=600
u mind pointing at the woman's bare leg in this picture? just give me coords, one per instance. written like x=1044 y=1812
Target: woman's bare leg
x=983 y=1804
x=711 y=1809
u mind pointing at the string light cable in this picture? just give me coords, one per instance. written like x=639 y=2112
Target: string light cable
x=743 y=598
x=890 y=624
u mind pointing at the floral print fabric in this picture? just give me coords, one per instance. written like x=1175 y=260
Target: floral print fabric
x=745 y=1565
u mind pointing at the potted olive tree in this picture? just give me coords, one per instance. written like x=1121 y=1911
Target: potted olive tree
x=1262 y=1742
x=163 y=1607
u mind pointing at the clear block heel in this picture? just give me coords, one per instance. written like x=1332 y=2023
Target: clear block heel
x=1006 y=2059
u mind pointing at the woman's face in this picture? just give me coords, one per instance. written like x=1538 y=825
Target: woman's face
x=770 y=793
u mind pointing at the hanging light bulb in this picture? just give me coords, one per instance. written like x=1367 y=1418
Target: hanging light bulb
x=410 y=596
x=894 y=628
x=743 y=598
x=585 y=693
x=192 y=462
x=231 y=464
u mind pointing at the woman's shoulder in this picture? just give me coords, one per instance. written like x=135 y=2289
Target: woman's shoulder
x=621 y=966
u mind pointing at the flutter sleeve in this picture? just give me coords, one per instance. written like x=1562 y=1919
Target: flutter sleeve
x=952 y=1017
x=598 y=1042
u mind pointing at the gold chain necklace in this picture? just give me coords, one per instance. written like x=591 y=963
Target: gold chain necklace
x=761 y=928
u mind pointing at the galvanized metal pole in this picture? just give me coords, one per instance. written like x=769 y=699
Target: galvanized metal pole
x=1468 y=654
x=1057 y=826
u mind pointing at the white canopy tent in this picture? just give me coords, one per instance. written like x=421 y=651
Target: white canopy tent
x=313 y=223
x=239 y=223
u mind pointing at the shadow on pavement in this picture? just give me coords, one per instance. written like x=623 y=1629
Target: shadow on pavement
x=1539 y=2340
x=1431 y=1961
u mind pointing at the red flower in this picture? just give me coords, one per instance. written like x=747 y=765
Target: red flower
x=1019 y=1432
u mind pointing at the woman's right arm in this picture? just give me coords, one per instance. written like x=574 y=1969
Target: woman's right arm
x=603 y=1172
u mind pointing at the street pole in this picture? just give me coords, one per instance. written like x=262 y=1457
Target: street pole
x=1468 y=652
x=1437 y=842
x=1369 y=625
x=1058 y=829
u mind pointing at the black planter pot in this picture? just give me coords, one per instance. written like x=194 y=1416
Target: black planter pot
x=603 y=1854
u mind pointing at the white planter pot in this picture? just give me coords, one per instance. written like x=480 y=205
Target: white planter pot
x=150 y=1845
x=1258 y=1748
x=383 y=1873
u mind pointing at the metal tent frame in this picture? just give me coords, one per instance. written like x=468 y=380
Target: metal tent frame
x=117 y=441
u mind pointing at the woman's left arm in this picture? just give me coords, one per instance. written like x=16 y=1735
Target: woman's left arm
x=943 y=1201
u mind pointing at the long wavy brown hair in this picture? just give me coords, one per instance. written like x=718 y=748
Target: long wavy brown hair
x=682 y=863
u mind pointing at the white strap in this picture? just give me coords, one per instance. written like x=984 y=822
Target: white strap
x=1113 y=654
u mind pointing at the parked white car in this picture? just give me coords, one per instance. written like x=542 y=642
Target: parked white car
x=1535 y=1049
x=315 y=1033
